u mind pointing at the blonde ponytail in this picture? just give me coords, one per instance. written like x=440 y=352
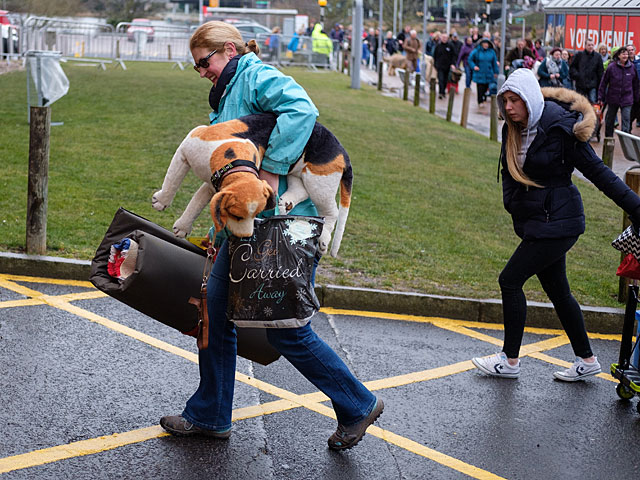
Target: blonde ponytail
x=514 y=144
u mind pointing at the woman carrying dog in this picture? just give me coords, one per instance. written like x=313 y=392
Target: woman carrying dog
x=243 y=85
x=544 y=138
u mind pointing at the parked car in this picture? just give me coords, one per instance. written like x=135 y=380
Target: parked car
x=140 y=25
x=251 y=30
x=8 y=31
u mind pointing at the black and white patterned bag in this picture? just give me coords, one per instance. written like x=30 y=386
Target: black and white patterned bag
x=270 y=273
x=628 y=242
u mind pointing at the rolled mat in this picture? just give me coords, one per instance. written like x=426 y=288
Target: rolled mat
x=168 y=272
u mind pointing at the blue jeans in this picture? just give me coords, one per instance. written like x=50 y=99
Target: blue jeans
x=468 y=72
x=591 y=94
x=610 y=119
x=211 y=405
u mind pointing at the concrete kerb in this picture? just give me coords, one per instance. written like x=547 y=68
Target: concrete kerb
x=542 y=315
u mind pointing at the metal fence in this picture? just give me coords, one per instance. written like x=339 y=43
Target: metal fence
x=101 y=43
x=166 y=43
x=295 y=50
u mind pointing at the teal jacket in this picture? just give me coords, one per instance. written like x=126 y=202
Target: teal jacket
x=260 y=88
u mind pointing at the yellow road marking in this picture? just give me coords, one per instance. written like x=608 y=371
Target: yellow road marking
x=25 y=302
x=78 y=449
x=53 y=281
x=431 y=454
x=8 y=284
x=450 y=321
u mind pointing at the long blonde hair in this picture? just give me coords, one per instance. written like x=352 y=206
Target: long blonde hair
x=513 y=146
x=213 y=35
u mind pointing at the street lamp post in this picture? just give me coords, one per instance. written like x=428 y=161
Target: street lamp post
x=322 y=4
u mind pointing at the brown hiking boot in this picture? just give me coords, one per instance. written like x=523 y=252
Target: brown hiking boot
x=347 y=437
x=181 y=427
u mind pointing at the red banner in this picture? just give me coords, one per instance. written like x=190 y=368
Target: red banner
x=600 y=31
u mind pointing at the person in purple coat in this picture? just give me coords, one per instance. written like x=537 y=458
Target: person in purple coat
x=463 y=56
x=619 y=89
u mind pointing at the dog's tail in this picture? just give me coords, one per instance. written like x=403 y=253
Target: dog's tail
x=346 y=184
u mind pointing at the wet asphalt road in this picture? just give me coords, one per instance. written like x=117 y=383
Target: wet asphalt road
x=77 y=367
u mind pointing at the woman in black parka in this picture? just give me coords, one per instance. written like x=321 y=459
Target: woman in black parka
x=544 y=138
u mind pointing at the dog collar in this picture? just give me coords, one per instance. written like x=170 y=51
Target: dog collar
x=232 y=167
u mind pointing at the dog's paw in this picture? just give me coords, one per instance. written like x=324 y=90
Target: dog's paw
x=181 y=230
x=323 y=241
x=156 y=203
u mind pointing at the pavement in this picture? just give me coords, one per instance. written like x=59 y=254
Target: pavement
x=85 y=379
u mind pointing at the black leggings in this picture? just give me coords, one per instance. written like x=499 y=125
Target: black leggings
x=481 y=91
x=443 y=76
x=546 y=259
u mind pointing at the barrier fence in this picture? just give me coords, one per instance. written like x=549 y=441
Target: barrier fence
x=131 y=41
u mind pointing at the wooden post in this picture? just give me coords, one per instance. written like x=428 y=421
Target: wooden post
x=380 y=64
x=493 y=125
x=38 y=180
x=464 y=115
x=452 y=94
x=169 y=50
x=631 y=178
x=607 y=151
x=416 y=91
x=117 y=48
x=405 y=92
x=432 y=95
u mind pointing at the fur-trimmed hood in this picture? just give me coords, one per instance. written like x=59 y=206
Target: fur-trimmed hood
x=523 y=83
x=573 y=101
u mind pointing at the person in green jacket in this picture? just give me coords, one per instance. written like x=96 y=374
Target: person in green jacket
x=320 y=41
x=243 y=85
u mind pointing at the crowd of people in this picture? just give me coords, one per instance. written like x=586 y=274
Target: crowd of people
x=600 y=74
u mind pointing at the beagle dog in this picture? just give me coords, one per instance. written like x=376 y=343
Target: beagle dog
x=227 y=156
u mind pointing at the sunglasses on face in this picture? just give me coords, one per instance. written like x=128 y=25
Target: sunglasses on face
x=203 y=63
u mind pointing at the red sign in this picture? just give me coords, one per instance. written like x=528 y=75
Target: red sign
x=601 y=29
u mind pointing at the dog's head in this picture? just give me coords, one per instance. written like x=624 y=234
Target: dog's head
x=238 y=202
x=242 y=195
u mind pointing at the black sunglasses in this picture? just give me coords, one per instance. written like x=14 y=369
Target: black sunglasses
x=202 y=63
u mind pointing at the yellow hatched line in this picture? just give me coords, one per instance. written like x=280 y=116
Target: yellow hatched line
x=462 y=323
x=26 y=291
x=53 y=281
x=79 y=449
x=25 y=302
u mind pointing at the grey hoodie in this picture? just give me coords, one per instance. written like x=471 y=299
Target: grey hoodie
x=523 y=83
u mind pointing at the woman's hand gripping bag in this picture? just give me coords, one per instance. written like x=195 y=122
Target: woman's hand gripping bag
x=271 y=272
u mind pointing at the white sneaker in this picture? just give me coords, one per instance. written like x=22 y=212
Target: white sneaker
x=497 y=366
x=578 y=371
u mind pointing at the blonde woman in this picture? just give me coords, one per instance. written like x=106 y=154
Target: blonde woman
x=243 y=85
x=543 y=140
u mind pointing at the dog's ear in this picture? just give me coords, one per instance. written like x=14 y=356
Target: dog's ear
x=270 y=197
x=218 y=210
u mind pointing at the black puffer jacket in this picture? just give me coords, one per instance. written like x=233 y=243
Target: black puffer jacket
x=586 y=69
x=555 y=211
